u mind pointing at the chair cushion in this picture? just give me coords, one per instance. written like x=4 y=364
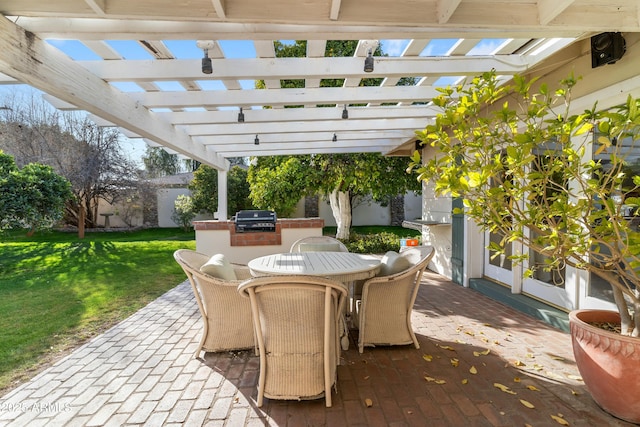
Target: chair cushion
x=218 y=266
x=392 y=263
x=319 y=247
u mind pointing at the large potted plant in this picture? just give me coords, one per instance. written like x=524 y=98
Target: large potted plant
x=562 y=184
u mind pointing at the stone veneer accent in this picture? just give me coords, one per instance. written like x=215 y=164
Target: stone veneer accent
x=258 y=238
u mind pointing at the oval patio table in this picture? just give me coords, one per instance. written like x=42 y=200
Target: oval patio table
x=345 y=267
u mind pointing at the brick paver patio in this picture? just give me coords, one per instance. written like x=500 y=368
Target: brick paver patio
x=142 y=372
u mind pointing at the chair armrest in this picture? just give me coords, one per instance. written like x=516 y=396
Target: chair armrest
x=242 y=271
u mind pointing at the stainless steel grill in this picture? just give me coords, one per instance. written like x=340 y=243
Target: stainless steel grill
x=255 y=220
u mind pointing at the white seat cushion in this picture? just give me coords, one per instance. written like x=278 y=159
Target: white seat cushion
x=392 y=263
x=219 y=266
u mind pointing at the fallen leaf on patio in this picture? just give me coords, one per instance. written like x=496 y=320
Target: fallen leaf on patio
x=560 y=420
x=519 y=363
x=431 y=379
x=528 y=425
x=455 y=363
x=409 y=412
x=557 y=357
x=485 y=339
x=516 y=380
x=446 y=347
x=575 y=377
x=527 y=404
x=486 y=324
x=530 y=356
x=504 y=388
x=464 y=381
x=532 y=388
x=460 y=342
x=427 y=357
x=473 y=370
x=367 y=377
x=368 y=402
x=470 y=333
x=538 y=367
x=481 y=353
x=496 y=342
x=575 y=393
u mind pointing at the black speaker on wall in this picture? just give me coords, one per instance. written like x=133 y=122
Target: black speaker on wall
x=607 y=48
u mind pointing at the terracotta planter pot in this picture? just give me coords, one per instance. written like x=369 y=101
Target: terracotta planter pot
x=608 y=362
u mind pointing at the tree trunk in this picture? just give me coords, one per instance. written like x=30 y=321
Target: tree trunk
x=80 y=221
x=396 y=208
x=341 y=209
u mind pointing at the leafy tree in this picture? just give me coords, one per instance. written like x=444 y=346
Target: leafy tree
x=33 y=197
x=238 y=190
x=277 y=183
x=524 y=167
x=204 y=189
x=158 y=162
x=89 y=156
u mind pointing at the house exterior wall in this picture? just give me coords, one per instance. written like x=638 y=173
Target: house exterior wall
x=371 y=213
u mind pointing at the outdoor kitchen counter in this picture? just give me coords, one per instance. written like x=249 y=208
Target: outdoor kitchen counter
x=214 y=237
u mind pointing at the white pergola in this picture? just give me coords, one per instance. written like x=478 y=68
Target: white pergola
x=530 y=36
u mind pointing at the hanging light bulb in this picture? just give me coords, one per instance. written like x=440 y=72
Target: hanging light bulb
x=207 y=68
x=256 y=141
x=368 y=62
x=345 y=113
x=240 y=116
x=335 y=138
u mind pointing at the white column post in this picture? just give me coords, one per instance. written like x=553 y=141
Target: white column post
x=222 y=195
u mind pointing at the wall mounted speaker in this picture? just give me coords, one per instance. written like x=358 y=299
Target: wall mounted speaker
x=607 y=48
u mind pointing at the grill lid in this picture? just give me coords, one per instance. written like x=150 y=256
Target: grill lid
x=255 y=216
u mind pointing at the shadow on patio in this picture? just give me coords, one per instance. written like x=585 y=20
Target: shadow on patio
x=142 y=372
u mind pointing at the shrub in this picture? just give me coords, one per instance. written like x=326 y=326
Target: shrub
x=184 y=212
x=377 y=243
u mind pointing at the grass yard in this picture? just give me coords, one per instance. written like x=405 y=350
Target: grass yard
x=57 y=291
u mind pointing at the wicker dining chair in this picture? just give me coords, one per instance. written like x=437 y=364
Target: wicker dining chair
x=318 y=244
x=296 y=319
x=383 y=315
x=226 y=315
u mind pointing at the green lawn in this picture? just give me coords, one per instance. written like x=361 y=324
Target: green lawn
x=57 y=291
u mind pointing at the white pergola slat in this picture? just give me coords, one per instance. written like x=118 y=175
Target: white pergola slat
x=197 y=118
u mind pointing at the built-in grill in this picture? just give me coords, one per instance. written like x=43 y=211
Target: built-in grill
x=255 y=220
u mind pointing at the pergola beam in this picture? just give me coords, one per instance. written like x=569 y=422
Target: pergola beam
x=46 y=68
x=282 y=97
x=301 y=68
x=139 y=29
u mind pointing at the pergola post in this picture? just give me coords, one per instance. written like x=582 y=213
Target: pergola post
x=222 y=195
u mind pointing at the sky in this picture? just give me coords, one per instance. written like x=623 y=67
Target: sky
x=187 y=49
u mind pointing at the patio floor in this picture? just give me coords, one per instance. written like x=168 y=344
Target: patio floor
x=142 y=372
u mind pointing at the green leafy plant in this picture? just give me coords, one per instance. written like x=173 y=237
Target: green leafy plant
x=183 y=212
x=32 y=197
x=522 y=161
